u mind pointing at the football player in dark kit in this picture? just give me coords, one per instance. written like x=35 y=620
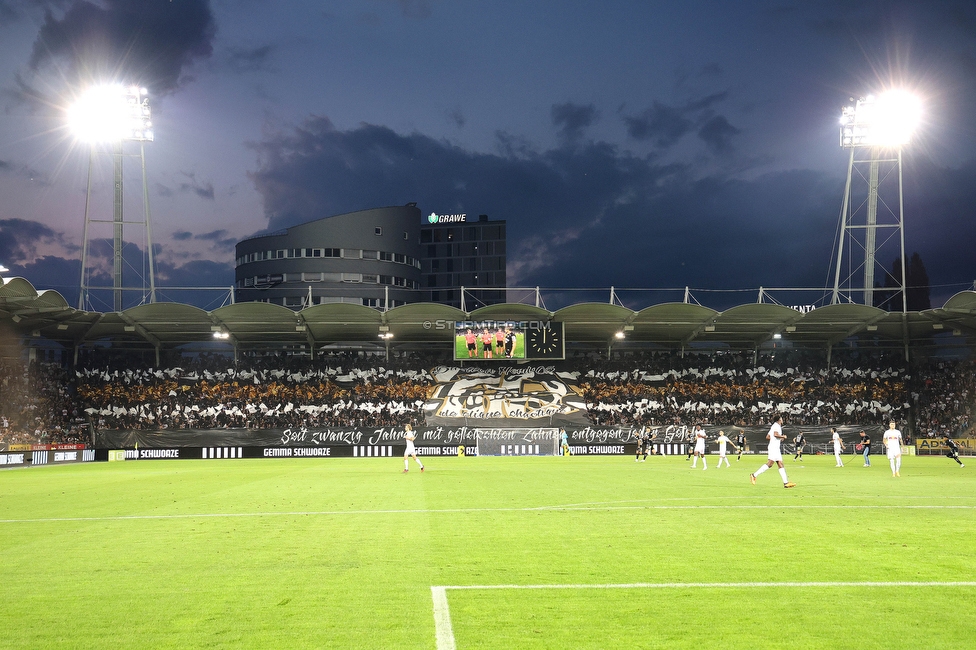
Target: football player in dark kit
x=643 y=442
x=953 y=451
x=799 y=441
x=740 y=442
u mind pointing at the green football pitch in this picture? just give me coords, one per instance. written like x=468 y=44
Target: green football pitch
x=580 y=552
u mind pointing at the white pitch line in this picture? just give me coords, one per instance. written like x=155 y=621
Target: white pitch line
x=442 y=619
x=444 y=631
x=330 y=513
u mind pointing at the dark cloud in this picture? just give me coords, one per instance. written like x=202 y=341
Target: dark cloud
x=572 y=119
x=593 y=215
x=63 y=274
x=220 y=239
x=717 y=134
x=250 y=59
x=8 y=13
x=456 y=117
x=205 y=190
x=182 y=235
x=663 y=125
x=21 y=239
x=31 y=174
x=149 y=41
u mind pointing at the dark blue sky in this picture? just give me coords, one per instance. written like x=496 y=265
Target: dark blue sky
x=640 y=144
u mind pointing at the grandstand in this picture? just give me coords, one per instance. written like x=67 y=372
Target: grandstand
x=243 y=375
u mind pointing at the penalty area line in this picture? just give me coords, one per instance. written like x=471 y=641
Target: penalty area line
x=444 y=631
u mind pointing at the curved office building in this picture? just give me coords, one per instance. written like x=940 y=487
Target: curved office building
x=369 y=257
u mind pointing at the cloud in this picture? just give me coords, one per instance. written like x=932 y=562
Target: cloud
x=205 y=190
x=148 y=41
x=220 y=239
x=662 y=124
x=456 y=117
x=31 y=174
x=717 y=134
x=63 y=274
x=182 y=235
x=591 y=214
x=250 y=59
x=22 y=241
x=571 y=119
x=665 y=125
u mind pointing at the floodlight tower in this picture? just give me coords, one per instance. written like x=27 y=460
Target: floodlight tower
x=113 y=115
x=874 y=129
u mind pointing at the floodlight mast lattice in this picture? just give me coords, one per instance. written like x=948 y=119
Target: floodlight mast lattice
x=115 y=114
x=873 y=129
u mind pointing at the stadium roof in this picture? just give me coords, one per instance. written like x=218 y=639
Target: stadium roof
x=47 y=315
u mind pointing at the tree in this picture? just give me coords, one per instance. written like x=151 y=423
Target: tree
x=916 y=286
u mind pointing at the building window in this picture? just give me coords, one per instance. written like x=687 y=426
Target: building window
x=406 y=236
x=425 y=236
x=371 y=255
x=386 y=257
x=377 y=230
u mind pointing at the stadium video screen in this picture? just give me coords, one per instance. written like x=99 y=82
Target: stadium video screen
x=501 y=340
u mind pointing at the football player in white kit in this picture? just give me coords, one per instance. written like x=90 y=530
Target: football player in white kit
x=699 y=448
x=722 y=441
x=774 y=455
x=410 y=436
x=892 y=442
x=838 y=445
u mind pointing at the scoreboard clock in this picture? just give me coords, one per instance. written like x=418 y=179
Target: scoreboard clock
x=546 y=342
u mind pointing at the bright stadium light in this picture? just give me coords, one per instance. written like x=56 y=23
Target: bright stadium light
x=875 y=129
x=888 y=120
x=112 y=113
x=108 y=116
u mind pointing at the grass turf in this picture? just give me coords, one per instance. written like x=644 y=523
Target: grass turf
x=343 y=553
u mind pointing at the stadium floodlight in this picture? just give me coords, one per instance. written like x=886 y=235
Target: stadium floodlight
x=887 y=120
x=112 y=113
x=620 y=334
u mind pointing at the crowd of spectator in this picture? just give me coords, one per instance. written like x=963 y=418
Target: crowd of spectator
x=38 y=405
x=46 y=403
x=732 y=389
x=943 y=396
x=350 y=391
